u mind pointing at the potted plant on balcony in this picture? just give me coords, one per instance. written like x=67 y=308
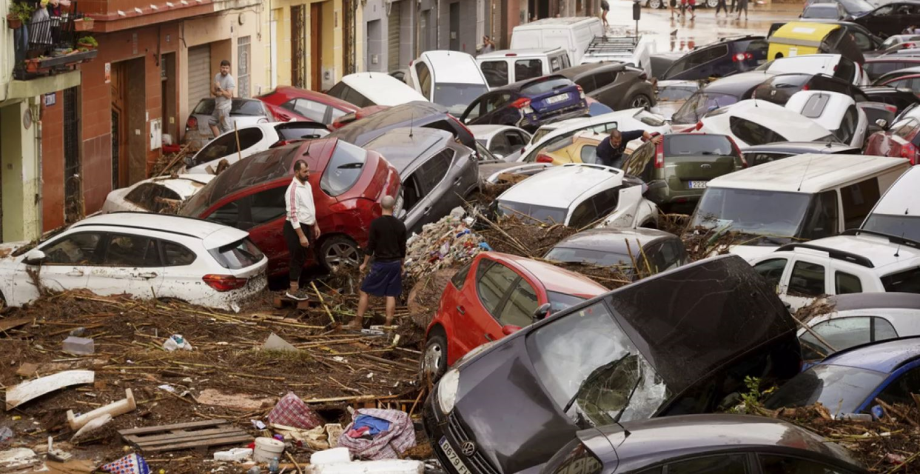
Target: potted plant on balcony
x=19 y=13
x=87 y=43
x=83 y=24
x=33 y=65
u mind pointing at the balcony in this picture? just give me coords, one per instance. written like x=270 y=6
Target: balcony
x=48 y=45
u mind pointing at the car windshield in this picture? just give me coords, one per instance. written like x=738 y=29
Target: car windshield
x=840 y=389
x=699 y=104
x=542 y=86
x=548 y=215
x=595 y=257
x=561 y=301
x=907 y=227
x=247 y=107
x=344 y=168
x=695 y=145
x=824 y=12
x=772 y=214
x=856 y=6
x=592 y=371
x=457 y=97
x=675 y=93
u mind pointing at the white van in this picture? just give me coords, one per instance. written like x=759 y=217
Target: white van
x=365 y=89
x=896 y=213
x=572 y=34
x=448 y=78
x=507 y=66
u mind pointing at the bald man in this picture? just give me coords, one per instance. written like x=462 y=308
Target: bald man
x=387 y=244
x=610 y=151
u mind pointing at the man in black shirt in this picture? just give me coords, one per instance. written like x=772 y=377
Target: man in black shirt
x=387 y=243
x=610 y=151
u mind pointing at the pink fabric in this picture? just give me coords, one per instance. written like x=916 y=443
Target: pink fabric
x=386 y=445
x=292 y=411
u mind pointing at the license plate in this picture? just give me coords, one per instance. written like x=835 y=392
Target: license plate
x=697 y=184
x=453 y=457
x=557 y=98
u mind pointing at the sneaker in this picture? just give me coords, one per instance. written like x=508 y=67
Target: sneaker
x=298 y=295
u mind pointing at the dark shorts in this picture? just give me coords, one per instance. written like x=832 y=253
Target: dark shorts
x=385 y=279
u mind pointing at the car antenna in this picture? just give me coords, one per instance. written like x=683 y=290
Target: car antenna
x=411 y=120
x=805 y=172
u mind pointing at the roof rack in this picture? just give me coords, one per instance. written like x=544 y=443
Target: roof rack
x=837 y=254
x=891 y=238
x=602 y=45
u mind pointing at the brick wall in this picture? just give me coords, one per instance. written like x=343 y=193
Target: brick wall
x=53 y=164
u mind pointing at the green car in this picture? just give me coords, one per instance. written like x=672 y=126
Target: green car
x=678 y=168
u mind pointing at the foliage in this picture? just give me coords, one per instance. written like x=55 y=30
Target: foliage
x=89 y=40
x=22 y=11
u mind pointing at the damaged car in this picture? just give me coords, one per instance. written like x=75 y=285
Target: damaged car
x=417 y=114
x=141 y=255
x=676 y=343
x=652 y=250
x=239 y=144
x=158 y=195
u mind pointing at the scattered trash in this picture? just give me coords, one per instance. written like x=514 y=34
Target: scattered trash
x=32 y=389
x=194 y=434
x=393 y=466
x=78 y=332
x=267 y=449
x=367 y=425
x=292 y=411
x=5 y=433
x=235 y=455
x=12 y=460
x=275 y=343
x=92 y=425
x=258 y=424
x=176 y=341
x=242 y=402
x=57 y=454
x=113 y=409
x=315 y=439
x=130 y=464
x=330 y=456
x=333 y=431
x=441 y=244
x=79 y=346
x=389 y=444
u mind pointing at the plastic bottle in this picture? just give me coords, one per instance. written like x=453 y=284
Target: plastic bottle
x=273 y=466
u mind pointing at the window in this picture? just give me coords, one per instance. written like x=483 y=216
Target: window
x=266 y=206
x=299 y=131
x=237 y=255
x=150 y=196
x=555 y=64
x=848 y=125
x=424 y=78
x=667 y=255
x=494 y=101
x=492 y=282
x=699 y=58
x=723 y=464
x=500 y=145
x=496 y=72
x=807 y=279
x=776 y=464
x=132 y=251
x=75 y=249
x=527 y=69
x=814 y=106
x=472 y=112
x=459 y=278
x=344 y=169
x=844 y=333
x=907 y=281
x=899 y=390
x=641 y=163
x=243 y=65
x=225 y=145
x=307 y=108
x=606 y=201
x=846 y=70
x=753 y=133
x=522 y=302
x=845 y=283
x=905 y=128
x=587 y=84
x=588 y=154
x=605 y=78
x=176 y=255
x=583 y=215
x=858 y=200
x=516 y=141
x=821 y=220
x=876 y=69
x=434 y=170
x=772 y=270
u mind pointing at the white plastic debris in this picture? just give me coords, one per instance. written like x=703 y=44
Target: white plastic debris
x=389 y=466
x=235 y=455
x=330 y=456
x=176 y=341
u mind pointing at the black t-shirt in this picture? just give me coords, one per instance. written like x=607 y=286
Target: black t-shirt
x=607 y=155
x=387 y=241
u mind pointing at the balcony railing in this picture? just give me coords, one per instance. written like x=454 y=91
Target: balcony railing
x=50 y=44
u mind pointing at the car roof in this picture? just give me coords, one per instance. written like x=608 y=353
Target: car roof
x=737 y=84
x=555 y=279
x=382 y=88
x=575 y=71
x=801 y=147
x=783 y=121
x=613 y=240
x=453 y=67
x=326 y=99
x=807 y=173
x=510 y=53
x=884 y=356
x=520 y=85
x=184 y=184
x=899 y=72
x=403 y=146
x=569 y=182
x=561 y=21
x=212 y=234
x=866 y=248
x=899 y=198
x=862 y=301
x=419 y=111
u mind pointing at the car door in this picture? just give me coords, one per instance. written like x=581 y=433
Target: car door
x=496 y=283
x=435 y=194
x=899 y=386
x=131 y=264
x=68 y=261
x=839 y=334
x=261 y=213
x=877 y=21
x=808 y=279
x=607 y=92
x=180 y=275
x=773 y=463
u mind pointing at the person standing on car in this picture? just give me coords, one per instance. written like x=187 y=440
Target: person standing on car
x=610 y=151
x=387 y=243
x=300 y=227
x=222 y=89
x=605 y=8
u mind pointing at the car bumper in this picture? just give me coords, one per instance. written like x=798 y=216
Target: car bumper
x=231 y=300
x=448 y=435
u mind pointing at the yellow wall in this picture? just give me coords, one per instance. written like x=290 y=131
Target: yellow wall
x=331 y=31
x=20 y=175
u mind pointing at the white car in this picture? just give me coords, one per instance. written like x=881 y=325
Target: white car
x=503 y=141
x=251 y=139
x=366 y=89
x=149 y=195
x=142 y=255
x=836 y=112
x=854 y=319
x=758 y=122
x=896 y=213
x=448 y=78
x=506 y=66
x=857 y=262
x=582 y=195
x=830 y=64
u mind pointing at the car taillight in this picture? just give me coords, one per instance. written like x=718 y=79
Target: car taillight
x=224 y=282
x=742 y=57
x=581 y=92
x=541 y=158
x=659 y=157
x=805 y=87
x=891 y=108
x=699 y=125
x=191 y=124
x=910 y=152
x=521 y=103
x=737 y=151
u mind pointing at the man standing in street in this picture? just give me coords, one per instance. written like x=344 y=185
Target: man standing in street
x=300 y=227
x=387 y=243
x=610 y=151
x=222 y=89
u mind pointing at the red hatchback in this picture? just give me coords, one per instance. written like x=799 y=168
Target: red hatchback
x=348 y=183
x=902 y=140
x=493 y=296
x=290 y=103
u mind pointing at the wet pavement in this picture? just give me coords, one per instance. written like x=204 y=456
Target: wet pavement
x=682 y=34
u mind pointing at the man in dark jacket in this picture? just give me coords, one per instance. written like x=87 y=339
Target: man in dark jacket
x=610 y=151
x=387 y=243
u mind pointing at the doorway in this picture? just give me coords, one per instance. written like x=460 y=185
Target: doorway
x=73 y=185
x=129 y=127
x=455 y=26
x=168 y=94
x=298 y=46
x=316 y=46
x=119 y=126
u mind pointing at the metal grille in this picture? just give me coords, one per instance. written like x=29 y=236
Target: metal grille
x=477 y=461
x=73 y=183
x=115 y=150
x=348 y=36
x=243 y=67
x=393 y=26
x=299 y=46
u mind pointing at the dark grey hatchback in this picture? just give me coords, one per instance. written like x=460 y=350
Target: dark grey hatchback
x=676 y=343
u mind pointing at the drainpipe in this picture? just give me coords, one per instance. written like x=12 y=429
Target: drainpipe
x=36 y=113
x=438 y=25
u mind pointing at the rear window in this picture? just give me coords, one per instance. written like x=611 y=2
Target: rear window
x=814 y=106
x=247 y=107
x=753 y=133
x=344 y=169
x=903 y=282
x=674 y=93
x=826 y=12
x=238 y=255
x=205 y=107
x=522 y=210
x=547 y=85
x=688 y=144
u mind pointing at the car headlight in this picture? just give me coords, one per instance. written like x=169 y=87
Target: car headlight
x=447 y=390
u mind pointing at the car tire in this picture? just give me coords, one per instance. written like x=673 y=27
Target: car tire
x=639 y=100
x=712 y=3
x=337 y=250
x=656 y=4
x=433 y=363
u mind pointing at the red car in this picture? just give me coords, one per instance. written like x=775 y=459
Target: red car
x=290 y=103
x=360 y=114
x=348 y=183
x=493 y=296
x=901 y=140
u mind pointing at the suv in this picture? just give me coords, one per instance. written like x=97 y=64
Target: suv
x=528 y=104
x=509 y=66
x=858 y=261
x=613 y=84
x=678 y=168
x=722 y=58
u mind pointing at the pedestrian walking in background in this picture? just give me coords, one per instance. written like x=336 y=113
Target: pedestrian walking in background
x=734 y=6
x=300 y=227
x=387 y=244
x=722 y=6
x=487 y=45
x=605 y=8
x=743 y=5
x=222 y=89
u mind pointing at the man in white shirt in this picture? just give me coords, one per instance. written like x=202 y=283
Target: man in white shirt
x=300 y=227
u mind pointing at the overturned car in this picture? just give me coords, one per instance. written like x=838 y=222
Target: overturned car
x=676 y=343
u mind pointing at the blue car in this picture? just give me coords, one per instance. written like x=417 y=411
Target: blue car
x=528 y=104
x=849 y=381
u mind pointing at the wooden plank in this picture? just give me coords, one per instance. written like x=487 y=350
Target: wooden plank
x=35 y=388
x=186 y=439
x=179 y=426
x=7 y=324
x=182 y=434
x=196 y=444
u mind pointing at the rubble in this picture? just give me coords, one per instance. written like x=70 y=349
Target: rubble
x=442 y=244
x=32 y=389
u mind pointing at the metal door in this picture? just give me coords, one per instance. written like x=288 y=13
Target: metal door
x=393 y=26
x=299 y=46
x=199 y=75
x=73 y=196
x=455 y=26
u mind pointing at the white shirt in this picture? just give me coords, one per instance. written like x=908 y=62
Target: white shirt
x=298 y=203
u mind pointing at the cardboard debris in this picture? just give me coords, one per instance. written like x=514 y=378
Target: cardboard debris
x=333 y=431
x=275 y=343
x=248 y=403
x=315 y=439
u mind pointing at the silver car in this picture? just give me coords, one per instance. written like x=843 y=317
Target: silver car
x=243 y=112
x=437 y=172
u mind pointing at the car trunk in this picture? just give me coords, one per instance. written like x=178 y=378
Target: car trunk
x=692 y=160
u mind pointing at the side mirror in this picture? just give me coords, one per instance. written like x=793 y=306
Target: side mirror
x=882 y=123
x=35 y=257
x=541 y=312
x=509 y=329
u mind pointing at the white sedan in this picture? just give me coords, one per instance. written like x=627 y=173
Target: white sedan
x=834 y=111
x=155 y=194
x=142 y=255
x=251 y=139
x=758 y=122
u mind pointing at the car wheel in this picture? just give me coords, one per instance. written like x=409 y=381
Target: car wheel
x=339 y=250
x=434 y=360
x=656 y=4
x=712 y=3
x=640 y=100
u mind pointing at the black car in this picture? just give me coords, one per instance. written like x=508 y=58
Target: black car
x=725 y=444
x=884 y=79
x=725 y=91
x=413 y=114
x=779 y=88
x=652 y=249
x=725 y=57
x=823 y=11
x=899 y=98
x=851 y=8
x=528 y=104
x=760 y=154
x=892 y=18
x=881 y=65
x=675 y=343
x=615 y=85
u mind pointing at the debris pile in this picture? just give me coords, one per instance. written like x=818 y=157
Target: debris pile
x=442 y=244
x=523 y=237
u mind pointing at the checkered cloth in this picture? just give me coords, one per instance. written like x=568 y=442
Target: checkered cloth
x=386 y=445
x=292 y=411
x=130 y=464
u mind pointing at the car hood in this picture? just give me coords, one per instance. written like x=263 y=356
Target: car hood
x=752 y=252
x=7 y=249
